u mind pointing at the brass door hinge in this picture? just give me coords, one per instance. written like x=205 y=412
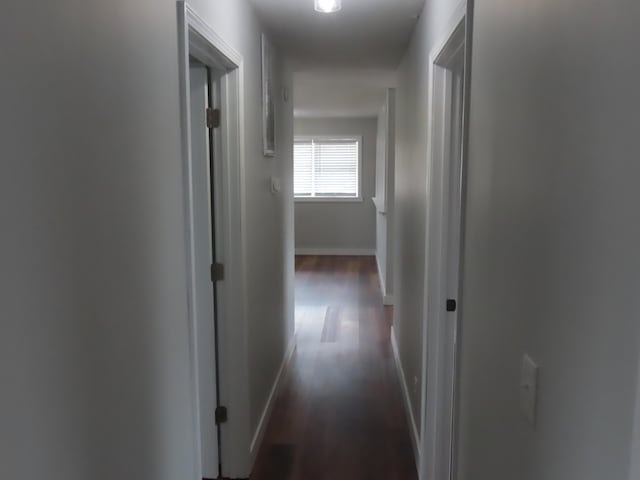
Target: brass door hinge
x=217 y=272
x=213 y=117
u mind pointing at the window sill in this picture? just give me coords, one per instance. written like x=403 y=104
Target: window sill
x=327 y=200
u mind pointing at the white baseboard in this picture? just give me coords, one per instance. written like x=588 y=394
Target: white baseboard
x=383 y=287
x=415 y=437
x=355 y=252
x=386 y=299
x=268 y=408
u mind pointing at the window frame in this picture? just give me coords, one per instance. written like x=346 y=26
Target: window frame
x=320 y=138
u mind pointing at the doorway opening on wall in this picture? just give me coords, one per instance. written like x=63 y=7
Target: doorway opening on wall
x=211 y=95
x=327 y=180
x=447 y=138
x=204 y=97
x=326 y=418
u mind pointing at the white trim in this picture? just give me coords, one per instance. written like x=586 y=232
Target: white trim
x=196 y=38
x=413 y=428
x=386 y=299
x=338 y=252
x=328 y=137
x=437 y=436
x=342 y=115
x=458 y=15
x=328 y=199
x=258 y=435
x=634 y=468
x=383 y=287
x=380 y=205
x=199 y=25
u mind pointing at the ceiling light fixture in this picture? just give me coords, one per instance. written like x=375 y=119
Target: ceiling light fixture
x=327 y=6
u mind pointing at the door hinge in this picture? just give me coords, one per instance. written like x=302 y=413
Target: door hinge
x=221 y=415
x=213 y=117
x=217 y=272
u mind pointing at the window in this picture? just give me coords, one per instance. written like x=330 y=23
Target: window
x=326 y=168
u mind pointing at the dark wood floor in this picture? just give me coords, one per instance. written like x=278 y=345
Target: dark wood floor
x=339 y=414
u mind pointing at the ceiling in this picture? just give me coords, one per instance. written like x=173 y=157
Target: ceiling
x=364 y=34
x=343 y=61
x=340 y=93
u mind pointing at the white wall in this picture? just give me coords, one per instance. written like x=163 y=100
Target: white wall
x=94 y=337
x=385 y=178
x=634 y=468
x=285 y=136
x=340 y=226
x=271 y=257
x=551 y=264
x=552 y=267
x=411 y=192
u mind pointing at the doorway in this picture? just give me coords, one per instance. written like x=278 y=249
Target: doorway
x=447 y=136
x=204 y=95
x=212 y=92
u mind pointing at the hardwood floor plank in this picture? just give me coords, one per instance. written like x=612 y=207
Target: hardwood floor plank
x=339 y=414
x=331 y=325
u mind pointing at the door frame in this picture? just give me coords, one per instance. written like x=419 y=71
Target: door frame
x=203 y=95
x=634 y=466
x=197 y=39
x=438 y=436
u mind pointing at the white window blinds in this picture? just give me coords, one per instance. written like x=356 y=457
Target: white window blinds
x=326 y=167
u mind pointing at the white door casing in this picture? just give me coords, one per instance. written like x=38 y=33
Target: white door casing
x=197 y=40
x=203 y=258
x=446 y=138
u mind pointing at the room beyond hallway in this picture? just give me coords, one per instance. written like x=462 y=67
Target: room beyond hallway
x=339 y=414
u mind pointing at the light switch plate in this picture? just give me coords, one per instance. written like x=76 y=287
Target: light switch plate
x=529 y=389
x=275 y=185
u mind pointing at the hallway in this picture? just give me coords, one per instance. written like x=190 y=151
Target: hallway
x=339 y=414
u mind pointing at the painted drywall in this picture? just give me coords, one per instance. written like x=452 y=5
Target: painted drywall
x=551 y=235
x=340 y=226
x=411 y=193
x=94 y=339
x=380 y=196
x=634 y=467
x=271 y=255
x=551 y=263
x=385 y=179
x=285 y=133
x=365 y=34
x=341 y=93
